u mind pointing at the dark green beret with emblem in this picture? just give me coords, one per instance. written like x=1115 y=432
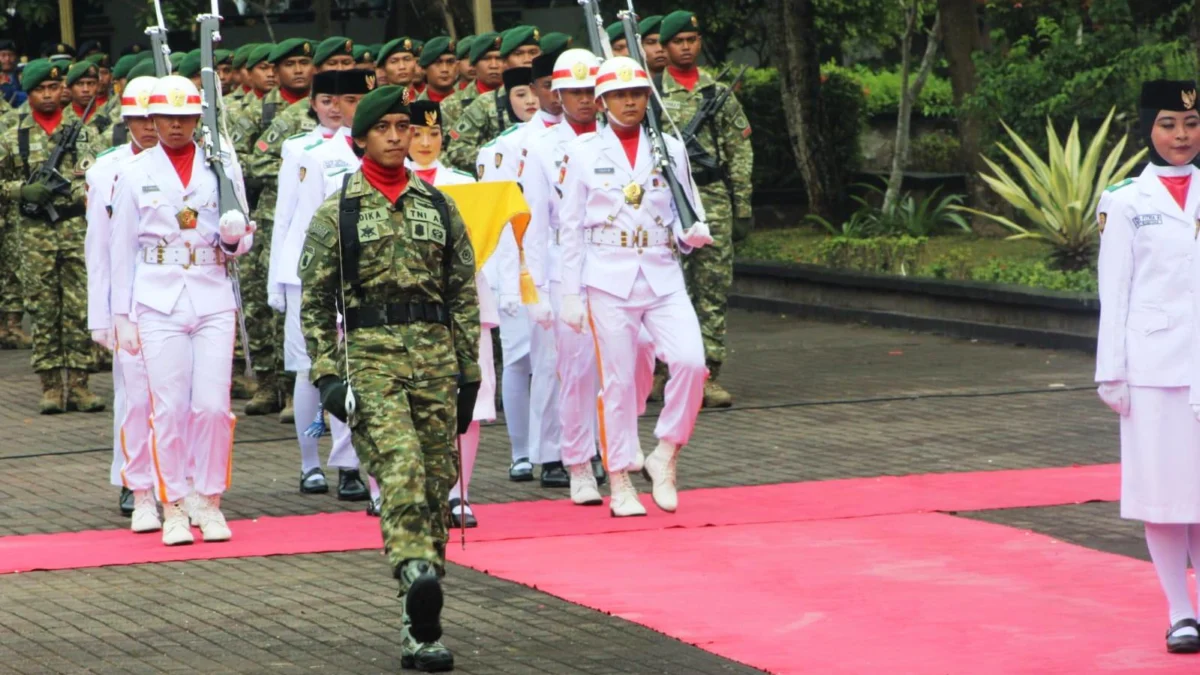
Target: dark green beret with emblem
x=484 y=43
x=289 y=48
x=142 y=69
x=681 y=21
x=363 y=54
x=331 y=47
x=260 y=54
x=100 y=59
x=242 y=53
x=650 y=25
x=518 y=36
x=616 y=31
x=190 y=67
x=222 y=56
x=388 y=100
x=39 y=71
x=124 y=65
x=398 y=46
x=177 y=59
x=436 y=48
x=463 y=49
x=81 y=70
x=555 y=43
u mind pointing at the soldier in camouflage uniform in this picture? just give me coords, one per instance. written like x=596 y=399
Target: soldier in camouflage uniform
x=441 y=69
x=398 y=59
x=83 y=82
x=410 y=353
x=260 y=76
x=466 y=69
x=481 y=121
x=484 y=58
x=725 y=192
x=53 y=269
x=233 y=99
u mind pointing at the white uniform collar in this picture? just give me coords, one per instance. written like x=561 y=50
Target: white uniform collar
x=1157 y=170
x=544 y=117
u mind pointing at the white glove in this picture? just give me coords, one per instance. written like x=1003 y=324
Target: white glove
x=542 y=313
x=572 y=313
x=126 y=334
x=697 y=236
x=1116 y=396
x=510 y=304
x=104 y=338
x=277 y=301
x=233 y=227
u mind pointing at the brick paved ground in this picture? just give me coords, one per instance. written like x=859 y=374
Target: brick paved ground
x=815 y=401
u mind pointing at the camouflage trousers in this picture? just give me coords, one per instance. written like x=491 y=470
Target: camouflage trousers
x=55 y=283
x=264 y=326
x=404 y=433
x=11 y=297
x=709 y=274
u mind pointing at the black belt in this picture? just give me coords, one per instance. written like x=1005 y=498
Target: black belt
x=373 y=316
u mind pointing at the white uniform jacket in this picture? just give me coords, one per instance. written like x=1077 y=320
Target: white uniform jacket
x=544 y=150
x=444 y=175
x=1146 y=246
x=289 y=183
x=148 y=212
x=595 y=177
x=101 y=186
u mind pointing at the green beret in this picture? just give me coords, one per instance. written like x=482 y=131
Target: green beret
x=39 y=71
x=518 y=36
x=553 y=43
x=259 y=54
x=222 y=56
x=242 y=53
x=190 y=66
x=176 y=59
x=142 y=69
x=616 y=31
x=99 y=59
x=331 y=47
x=435 y=49
x=419 y=45
x=81 y=70
x=145 y=56
x=363 y=53
x=387 y=100
x=289 y=48
x=650 y=25
x=482 y=44
x=124 y=65
x=397 y=46
x=463 y=50
x=681 y=21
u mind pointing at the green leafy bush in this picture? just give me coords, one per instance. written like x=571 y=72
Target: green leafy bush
x=956 y=263
x=936 y=152
x=1037 y=274
x=894 y=255
x=882 y=91
x=908 y=217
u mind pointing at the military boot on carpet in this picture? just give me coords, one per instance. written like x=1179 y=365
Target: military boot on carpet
x=715 y=395
x=79 y=397
x=266 y=399
x=426 y=657
x=52 y=393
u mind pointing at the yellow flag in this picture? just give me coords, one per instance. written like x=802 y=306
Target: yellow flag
x=486 y=208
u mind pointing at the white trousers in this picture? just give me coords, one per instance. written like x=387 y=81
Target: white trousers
x=544 y=419
x=579 y=385
x=306 y=400
x=131 y=416
x=515 y=390
x=673 y=326
x=186 y=358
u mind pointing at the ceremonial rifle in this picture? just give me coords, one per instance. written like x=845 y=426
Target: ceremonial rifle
x=595 y=28
x=47 y=172
x=702 y=161
x=158 y=41
x=219 y=159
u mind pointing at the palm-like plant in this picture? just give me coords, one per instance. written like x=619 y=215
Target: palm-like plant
x=1060 y=195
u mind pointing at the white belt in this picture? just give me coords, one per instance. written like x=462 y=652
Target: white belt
x=183 y=255
x=659 y=236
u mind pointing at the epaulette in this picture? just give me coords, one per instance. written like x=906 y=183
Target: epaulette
x=107 y=151
x=295 y=136
x=1118 y=186
x=509 y=130
x=312 y=145
x=462 y=173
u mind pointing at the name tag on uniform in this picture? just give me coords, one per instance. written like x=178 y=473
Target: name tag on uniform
x=149 y=188
x=373 y=216
x=1145 y=219
x=413 y=212
x=606 y=170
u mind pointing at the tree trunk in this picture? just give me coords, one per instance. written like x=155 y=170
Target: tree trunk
x=1194 y=32
x=793 y=38
x=908 y=97
x=323 y=16
x=961 y=38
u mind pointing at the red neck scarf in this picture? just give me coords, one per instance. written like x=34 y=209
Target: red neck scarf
x=292 y=97
x=464 y=84
x=418 y=88
x=181 y=159
x=259 y=94
x=482 y=88
x=581 y=129
x=48 y=123
x=246 y=89
x=688 y=78
x=101 y=101
x=79 y=111
x=629 y=136
x=437 y=96
x=427 y=175
x=1178 y=187
x=391 y=182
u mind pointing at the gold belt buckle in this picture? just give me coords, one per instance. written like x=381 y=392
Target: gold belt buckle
x=161 y=254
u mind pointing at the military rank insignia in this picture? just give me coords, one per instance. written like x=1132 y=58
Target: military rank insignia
x=499 y=159
x=562 y=170
x=521 y=166
x=1102 y=220
x=186 y=219
x=482 y=168
x=303 y=173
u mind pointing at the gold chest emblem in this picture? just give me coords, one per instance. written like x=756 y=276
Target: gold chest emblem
x=187 y=219
x=633 y=195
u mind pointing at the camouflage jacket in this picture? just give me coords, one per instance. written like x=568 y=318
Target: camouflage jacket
x=9 y=119
x=266 y=156
x=247 y=125
x=478 y=124
x=400 y=262
x=726 y=137
x=100 y=123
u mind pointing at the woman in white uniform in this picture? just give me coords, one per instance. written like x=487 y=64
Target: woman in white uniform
x=1148 y=226
x=168 y=251
x=424 y=158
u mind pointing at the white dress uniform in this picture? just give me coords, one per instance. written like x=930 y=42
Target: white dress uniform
x=131 y=466
x=1146 y=339
x=573 y=366
x=619 y=230
x=318 y=170
x=168 y=270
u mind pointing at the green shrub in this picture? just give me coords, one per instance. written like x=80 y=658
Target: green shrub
x=1037 y=274
x=882 y=91
x=953 y=264
x=893 y=255
x=936 y=152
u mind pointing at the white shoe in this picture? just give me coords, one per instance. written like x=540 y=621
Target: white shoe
x=145 y=513
x=639 y=462
x=625 y=500
x=212 y=521
x=584 y=491
x=661 y=467
x=176 y=530
x=192 y=504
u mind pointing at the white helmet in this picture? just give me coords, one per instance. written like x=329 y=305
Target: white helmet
x=620 y=72
x=135 y=99
x=175 y=95
x=575 y=69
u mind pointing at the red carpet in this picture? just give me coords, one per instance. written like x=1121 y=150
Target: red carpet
x=793 y=502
